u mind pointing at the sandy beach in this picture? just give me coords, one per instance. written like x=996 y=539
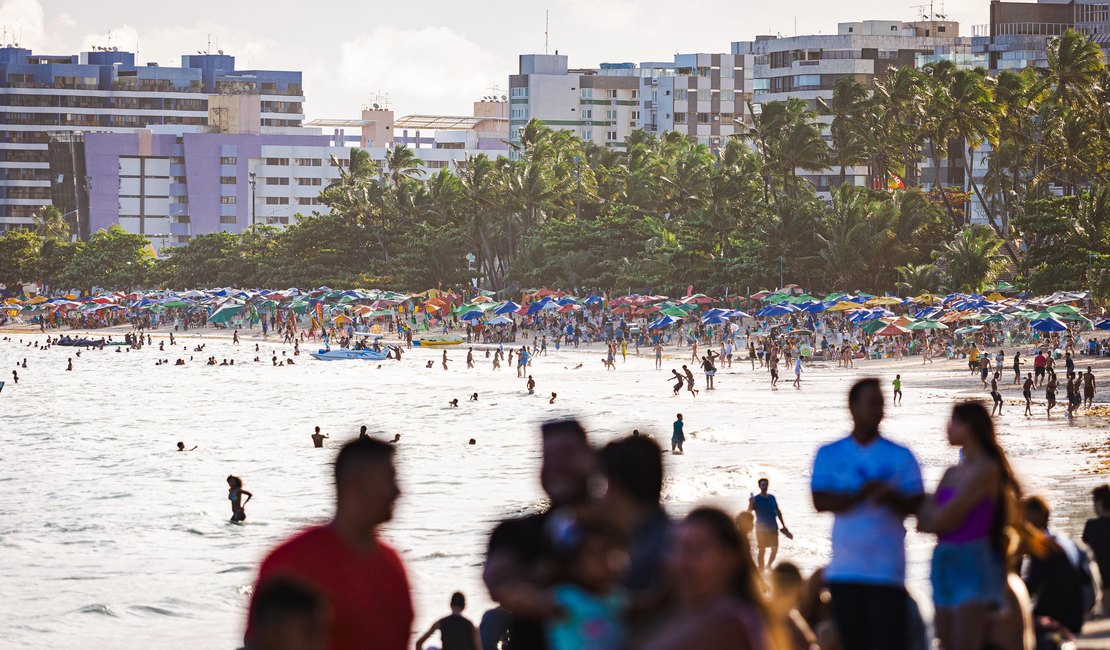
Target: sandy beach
x=127 y=542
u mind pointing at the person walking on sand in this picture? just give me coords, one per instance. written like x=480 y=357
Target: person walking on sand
x=798 y=372
x=996 y=395
x=1051 y=386
x=658 y=355
x=1089 y=394
x=678 y=436
x=1027 y=393
x=897 y=383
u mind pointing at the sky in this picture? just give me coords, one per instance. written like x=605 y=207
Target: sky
x=434 y=56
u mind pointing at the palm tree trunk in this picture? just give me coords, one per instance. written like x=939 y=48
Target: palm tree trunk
x=1011 y=251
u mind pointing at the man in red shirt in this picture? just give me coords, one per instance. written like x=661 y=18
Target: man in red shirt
x=361 y=580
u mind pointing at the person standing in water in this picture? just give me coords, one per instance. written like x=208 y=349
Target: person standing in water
x=469 y=358
x=658 y=355
x=1089 y=391
x=318 y=438
x=1027 y=393
x=678 y=436
x=995 y=394
x=445 y=359
x=767 y=518
x=897 y=383
x=235 y=494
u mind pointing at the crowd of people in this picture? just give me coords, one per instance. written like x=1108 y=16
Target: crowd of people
x=612 y=569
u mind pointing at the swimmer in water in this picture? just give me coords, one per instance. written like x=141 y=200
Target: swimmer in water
x=553 y=396
x=235 y=494
x=362 y=435
x=70 y=366
x=430 y=363
x=15 y=377
x=318 y=438
x=474 y=397
x=469 y=358
x=472 y=442
x=454 y=403
x=181 y=447
x=445 y=359
x=531 y=385
x=396 y=439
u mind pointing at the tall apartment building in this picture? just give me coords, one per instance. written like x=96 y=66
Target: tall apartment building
x=1019 y=32
x=703 y=96
x=699 y=95
x=54 y=97
x=808 y=67
x=599 y=105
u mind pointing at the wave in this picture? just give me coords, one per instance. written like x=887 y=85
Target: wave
x=150 y=609
x=98 y=608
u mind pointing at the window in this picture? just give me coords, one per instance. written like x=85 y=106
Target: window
x=181 y=218
x=680 y=118
x=587 y=136
x=228 y=160
x=309 y=162
x=227 y=219
x=309 y=181
x=681 y=93
x=587 y=114
x=703 y=118
x=610 y=115
x=611 y=136
x=179 y=180
x=807 y=81
x=276 y=200
x=705 y=95
x=177 y=160
x=519 y=113
x=612 y=94
x=635 y=115
x=277 y=181
x=183 y=200
x=227 y=180
x=518 y=92
x=277 y=162
x=587 y=93
x=308 y=201
x=228 y=200
x=430 y=164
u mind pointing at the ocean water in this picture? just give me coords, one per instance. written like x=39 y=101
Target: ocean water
x=110 y=538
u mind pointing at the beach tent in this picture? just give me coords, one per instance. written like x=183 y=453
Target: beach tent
x=1048 y=325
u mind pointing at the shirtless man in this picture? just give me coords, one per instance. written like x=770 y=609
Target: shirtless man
x=690 y=381
x=1089 y=388
x=318 y=438
x=1027 y=393
x=469 y=358
x=445 y=359
x=681 y=381
x=658 y=355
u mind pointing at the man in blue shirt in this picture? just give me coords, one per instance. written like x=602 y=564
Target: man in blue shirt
x=871 y=485
x=767 y=518
x=678 y=436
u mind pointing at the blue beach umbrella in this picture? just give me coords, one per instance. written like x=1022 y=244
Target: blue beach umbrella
x=1103 y=324
x=665 y=321
x=507 y=308
x=1048 y=325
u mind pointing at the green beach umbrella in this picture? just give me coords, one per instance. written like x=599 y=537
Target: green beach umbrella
x=926 y=325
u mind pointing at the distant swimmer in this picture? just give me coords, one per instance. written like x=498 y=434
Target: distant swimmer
x=472 y=442
x=25 y=363
x=256 y=347
x=552 y=400
x=474 y=397
x=235 y=494
x=396 y=439
x=430 y=364
x=454 y=403
x=445 y=359
x=161 y=346
x=70 y=366
x=180 y=362
x=897 y=383
x=362 y=435
x=531 y=385
x=469 y=358
x=15 y=377
x=318 y=438
x=181 y=447
x=678 y=436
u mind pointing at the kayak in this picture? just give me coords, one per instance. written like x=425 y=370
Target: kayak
x=438 y=340
x=342 y=354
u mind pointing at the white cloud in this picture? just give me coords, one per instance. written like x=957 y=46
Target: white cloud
x=23 y=20
x=66 y=20
x=430 y=69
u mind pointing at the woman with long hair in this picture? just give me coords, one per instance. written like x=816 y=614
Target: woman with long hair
x=235 y=493
x=974 y=513
x=718 y=604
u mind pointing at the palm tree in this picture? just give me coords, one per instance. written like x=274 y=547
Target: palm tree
x=477 y=177
x=855 y=229
x=848 y=100
x=1074 y=68
x=50 y=224
x=971 y=259
x=916 y=278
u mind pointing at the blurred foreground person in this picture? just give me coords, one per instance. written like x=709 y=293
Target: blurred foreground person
x=360 y=578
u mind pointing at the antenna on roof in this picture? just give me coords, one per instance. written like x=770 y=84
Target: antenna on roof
x=546 y=27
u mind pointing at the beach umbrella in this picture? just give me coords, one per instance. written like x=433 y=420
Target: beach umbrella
x=673 y=310
x=885 y=300
x=736 y=313
x=568 y=308
x=475 y=314
x=780 y=309
x=1103 y=324
x=843 y=305
x=801 y=332
x=507 y=308
x=891 y=330
x=1062 y=309
x=714 y=320
x=225 y=313
x=665 y=321
x=501 y=320
x=814 y=307
x=968 y=330
x=926 y=325
x=995 y=318
x=872 y=326
x=1048 y=325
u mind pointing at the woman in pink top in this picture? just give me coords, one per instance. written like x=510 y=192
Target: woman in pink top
x=973 y=513
x=718 y=602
